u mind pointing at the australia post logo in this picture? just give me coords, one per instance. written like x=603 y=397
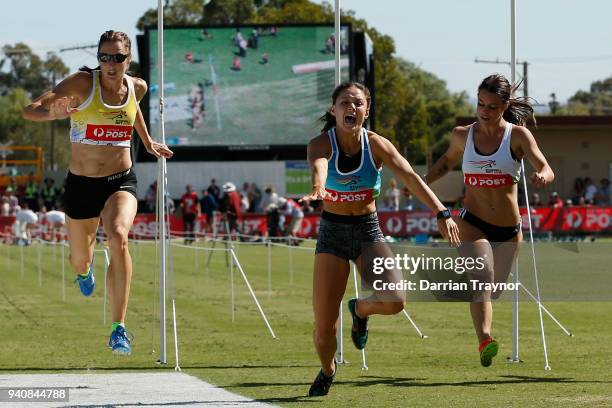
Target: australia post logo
x=349 y=182
x=120 y=117
x=108 y=133
x=482 y=164
x=488 y=180
x=349 y=196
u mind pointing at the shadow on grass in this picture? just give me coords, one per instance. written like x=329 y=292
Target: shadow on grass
x=399 y=382
x=501 y=380
x=152 y=367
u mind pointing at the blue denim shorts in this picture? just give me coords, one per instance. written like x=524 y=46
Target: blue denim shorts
x=345 y=235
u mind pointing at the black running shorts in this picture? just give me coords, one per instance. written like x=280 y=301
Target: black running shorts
x=345 y=235
x=493 y=233
x=85 y=197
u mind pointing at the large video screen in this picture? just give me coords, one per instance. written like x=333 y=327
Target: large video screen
x=253 y=86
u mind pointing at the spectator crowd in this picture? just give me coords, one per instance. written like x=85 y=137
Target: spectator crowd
x=45 y=196
x=284 y=214
x=584 y=193
x=231 y=202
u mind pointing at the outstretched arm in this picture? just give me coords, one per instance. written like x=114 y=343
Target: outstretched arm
x=153 y=147
x=390 y=157
x=543 y=173
x=61 y=101
x=318 y=152
x=448 y=160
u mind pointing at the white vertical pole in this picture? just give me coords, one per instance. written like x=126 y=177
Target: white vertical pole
x=535 y=270
x=339 y=342
x=39 y=266
x=515 y=315
x=195 y=258
x=22 y=261
x=515 y=296
x=177 y=367
x=7 y=254
x=233 y=294
x=337 y=43
x=512 y=41
x=106 y=265
x=337 y=80
x=161 y=184
x=63 y=273
x=269 y=268
x=290 y=264
x=364 y=366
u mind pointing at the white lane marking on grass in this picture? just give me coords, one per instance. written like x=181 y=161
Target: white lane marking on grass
x=131 y=390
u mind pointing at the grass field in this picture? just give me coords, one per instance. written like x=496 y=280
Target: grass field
x=43 y=333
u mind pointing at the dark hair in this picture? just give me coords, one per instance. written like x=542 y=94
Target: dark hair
x=111 y=36
x=519 y=110
x=328 y=118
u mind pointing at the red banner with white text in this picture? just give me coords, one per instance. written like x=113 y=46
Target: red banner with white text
x=396 y=223
x=404 y=223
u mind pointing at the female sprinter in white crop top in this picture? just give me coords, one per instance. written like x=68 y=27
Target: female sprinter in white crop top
x=492 y=149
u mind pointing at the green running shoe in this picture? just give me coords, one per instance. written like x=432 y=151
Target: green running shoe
x=359 y=331
x=488 y=349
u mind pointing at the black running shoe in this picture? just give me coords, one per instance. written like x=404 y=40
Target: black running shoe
x=359 y=331
x=321 y=384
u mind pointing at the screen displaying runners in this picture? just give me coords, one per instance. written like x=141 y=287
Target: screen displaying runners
x=247 y=86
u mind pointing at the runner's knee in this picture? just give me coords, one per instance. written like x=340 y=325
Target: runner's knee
x=118 y=237
x=324 y=333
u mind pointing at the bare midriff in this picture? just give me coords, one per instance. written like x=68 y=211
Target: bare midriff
x=497 y=206
x=99 y=161
x=360 y=208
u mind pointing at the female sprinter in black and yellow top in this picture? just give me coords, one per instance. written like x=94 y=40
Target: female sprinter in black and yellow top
x=489 y=222
x=103 y=108
x=346 y=160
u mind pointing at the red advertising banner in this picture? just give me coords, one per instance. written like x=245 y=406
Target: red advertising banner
x=395 y=223
x=572 y=219
x=403 y=223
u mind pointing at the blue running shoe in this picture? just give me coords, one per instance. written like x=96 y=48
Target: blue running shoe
x=88 y=284
x=120 y=341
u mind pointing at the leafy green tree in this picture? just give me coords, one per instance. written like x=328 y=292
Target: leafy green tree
x=55 y=68
x=429 y=113
x=597 y=101
x=190 y=12
x=219 y=12
x=21 y=132
x=22 y=68
x=25 y=75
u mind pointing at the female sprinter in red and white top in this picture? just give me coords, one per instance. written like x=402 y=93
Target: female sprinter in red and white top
x=102 y=105
x=492 y=149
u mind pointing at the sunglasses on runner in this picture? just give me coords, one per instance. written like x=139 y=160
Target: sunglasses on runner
x=118 y=58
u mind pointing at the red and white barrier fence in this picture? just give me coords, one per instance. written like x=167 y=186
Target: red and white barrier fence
x=394 y=223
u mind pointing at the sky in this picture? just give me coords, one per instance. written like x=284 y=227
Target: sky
x=568 y=43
